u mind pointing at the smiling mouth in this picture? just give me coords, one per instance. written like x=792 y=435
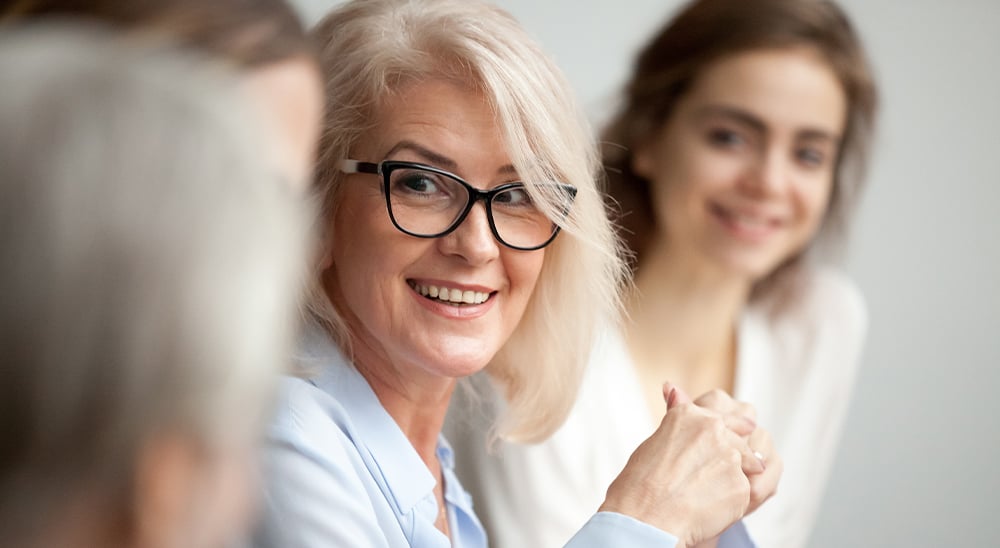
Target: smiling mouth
x=451 y=296
x=747 y=223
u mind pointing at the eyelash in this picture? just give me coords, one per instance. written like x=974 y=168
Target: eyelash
x=725 y=138
x=810 y=157
x=730 y=139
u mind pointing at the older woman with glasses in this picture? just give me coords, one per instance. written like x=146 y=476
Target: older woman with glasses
x=463 y=233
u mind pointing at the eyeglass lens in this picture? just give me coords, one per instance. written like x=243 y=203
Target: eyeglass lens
x=427 y=203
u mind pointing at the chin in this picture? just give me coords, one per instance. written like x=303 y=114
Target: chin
x=460 y=367
x=750 y=266
x=460 y=357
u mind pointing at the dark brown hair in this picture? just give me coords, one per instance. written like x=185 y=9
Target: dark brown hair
x=704 y=32
x=246 y=33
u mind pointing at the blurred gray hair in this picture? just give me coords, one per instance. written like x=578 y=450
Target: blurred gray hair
x=151 y=262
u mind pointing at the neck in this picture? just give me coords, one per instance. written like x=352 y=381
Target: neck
x=684 y=315
x=416 y=400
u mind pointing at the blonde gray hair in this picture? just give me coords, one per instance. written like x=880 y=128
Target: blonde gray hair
x=371 y=48
x=151 y=264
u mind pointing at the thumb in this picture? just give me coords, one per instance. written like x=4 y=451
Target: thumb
x=674 y=396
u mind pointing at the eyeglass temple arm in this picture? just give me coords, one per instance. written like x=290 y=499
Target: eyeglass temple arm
x=354 y=166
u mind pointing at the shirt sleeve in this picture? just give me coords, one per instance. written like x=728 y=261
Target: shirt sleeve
x=612 y=529
x=736 y=536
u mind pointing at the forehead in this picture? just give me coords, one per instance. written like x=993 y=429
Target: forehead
x=791 y=88
x=451 y=118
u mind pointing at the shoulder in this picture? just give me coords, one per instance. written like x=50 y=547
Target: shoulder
x=822 y=325
x=312 y=467
x=827 y=302
x=833 y=294
x=310 y=422
x=302 y=406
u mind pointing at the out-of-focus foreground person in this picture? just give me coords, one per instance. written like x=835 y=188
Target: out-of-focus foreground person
x=152 y=262
x=733 y=164
x=464 y=231
x=263 y=40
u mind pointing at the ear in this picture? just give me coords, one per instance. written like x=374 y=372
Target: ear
x=326 y=240
x=642 y=157
x=165 y=483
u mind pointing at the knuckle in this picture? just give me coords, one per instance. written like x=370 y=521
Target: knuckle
x=716 y=395
x=717 y=427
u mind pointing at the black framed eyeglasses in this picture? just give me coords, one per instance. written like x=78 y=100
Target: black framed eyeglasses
x=428 y=202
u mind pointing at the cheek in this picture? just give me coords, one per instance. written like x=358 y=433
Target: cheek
x=361 y=256
x=679 y=196
x=362 y=239
x=523 y=270
x=691 y=173
x=813 y=200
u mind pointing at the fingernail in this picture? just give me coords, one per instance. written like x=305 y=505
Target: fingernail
x=760 y=457
x=671 y=396
x=750 y=422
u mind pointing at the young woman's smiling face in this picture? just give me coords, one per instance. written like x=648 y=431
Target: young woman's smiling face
x=384 y=282
x=742 y=170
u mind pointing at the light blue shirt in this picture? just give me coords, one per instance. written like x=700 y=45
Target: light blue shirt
x=340 y=472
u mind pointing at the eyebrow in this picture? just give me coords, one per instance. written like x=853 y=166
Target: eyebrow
x=745 y=118
x=437 y=159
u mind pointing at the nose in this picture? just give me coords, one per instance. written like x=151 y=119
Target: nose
x=768 y=175
x=472 y=240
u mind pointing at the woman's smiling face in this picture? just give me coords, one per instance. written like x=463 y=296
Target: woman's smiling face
x=742 y=170
x=397 y=292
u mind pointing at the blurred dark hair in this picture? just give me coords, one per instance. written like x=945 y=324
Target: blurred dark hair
x=704 y=32
x=246 y=33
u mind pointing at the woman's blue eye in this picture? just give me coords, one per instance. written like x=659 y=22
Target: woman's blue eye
x=514 y=197
x=725 y=138
x=419 y=183
x=810 y=157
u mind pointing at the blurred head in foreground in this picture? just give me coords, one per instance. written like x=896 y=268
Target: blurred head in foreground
x=262 y=39
x=152 y=261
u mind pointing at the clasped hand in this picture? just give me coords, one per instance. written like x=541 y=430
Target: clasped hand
x=706 y=466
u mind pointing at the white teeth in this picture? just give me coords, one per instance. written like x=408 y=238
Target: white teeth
x=750 y=222
x=453 y=296
x=746 y=221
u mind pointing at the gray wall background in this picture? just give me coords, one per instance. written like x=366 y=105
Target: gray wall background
x=918 y=465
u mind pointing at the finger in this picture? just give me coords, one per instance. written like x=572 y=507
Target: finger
x=674 y=396
x=716 y=400
x=740 y=425
x=760 y=442
x=751 y=463
x=739 y=417
x=764 y=486
x=746 y=409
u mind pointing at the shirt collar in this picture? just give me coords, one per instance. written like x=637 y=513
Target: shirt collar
x=407 y=480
